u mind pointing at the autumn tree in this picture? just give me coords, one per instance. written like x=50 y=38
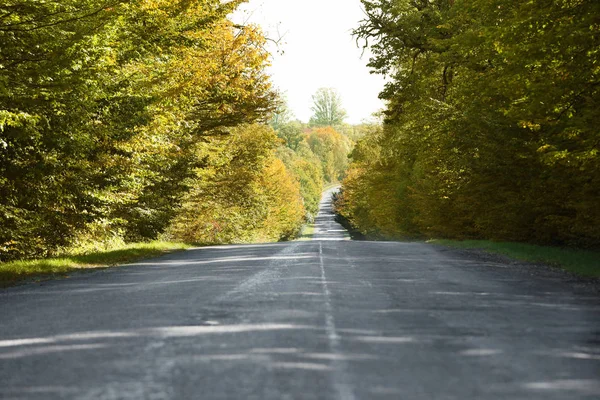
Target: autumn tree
x=306 y=168
x=245 y=194
x=488 y=130
x=105 y=111
x=332 y=148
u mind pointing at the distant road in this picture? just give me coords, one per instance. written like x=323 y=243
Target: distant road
x=329 y=318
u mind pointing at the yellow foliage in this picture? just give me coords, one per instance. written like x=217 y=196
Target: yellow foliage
x=332 y=148
x=247 y=195
x=286 y=212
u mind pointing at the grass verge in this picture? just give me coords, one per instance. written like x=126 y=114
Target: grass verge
x=580 y=262
x=307 y=232
x=15 y=271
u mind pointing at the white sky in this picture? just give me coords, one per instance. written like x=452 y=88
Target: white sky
x=319 y=51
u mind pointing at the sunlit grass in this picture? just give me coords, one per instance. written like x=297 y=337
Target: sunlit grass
x=580 y=262
x=12 y=272
x=307 y=232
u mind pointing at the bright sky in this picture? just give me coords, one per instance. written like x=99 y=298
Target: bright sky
x=318 y=51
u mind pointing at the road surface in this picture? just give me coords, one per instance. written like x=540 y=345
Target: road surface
x=329 y=318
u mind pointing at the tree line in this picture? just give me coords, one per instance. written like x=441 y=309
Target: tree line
x=136 y=120
x=491 y=122
x=317 y=151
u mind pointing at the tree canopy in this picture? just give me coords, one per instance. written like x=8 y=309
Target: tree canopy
x=245 y=194
x=109 y=108
x=490 y=127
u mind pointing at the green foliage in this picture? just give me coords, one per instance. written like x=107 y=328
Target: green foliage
x=14 y=271
x=245 y=195
x=300 y=161
x=357 y=132
x=490 y=127
x=106 y=108
x=292 y=134
x=306 y=168
x=581 y=262
x=327 y=108
x=315 y=156
x=332 y=148
x=282 y=115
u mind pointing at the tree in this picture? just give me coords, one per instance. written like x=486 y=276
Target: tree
x=106 y=110
x=327 y=108
x=282 y=114
x=489 y=128
x=291 y=134
x=306 y=167
x=332 y=148
x=281 y=122
x=245 y=194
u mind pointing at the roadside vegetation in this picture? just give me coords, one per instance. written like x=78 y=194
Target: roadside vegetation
x=307 y=232
x=490 y=130
x=39 y=269
x=127 y=123
x=123 y=123
x=111 y=111
x=580 y=262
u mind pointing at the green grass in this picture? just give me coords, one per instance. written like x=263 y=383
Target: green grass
x=580 y=262
x=15 y=271
x=307 y=232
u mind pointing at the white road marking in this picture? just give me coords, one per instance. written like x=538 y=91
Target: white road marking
x=343 y=389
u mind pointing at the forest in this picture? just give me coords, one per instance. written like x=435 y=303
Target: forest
x=129 y=121
x=491 y=126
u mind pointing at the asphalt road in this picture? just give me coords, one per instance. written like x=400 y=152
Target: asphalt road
x=323 y=319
